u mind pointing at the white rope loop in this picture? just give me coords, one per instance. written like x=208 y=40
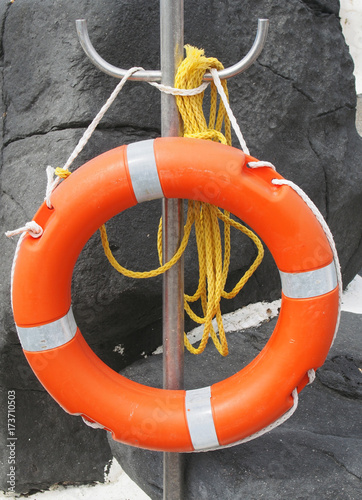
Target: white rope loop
x=181 y=92
x=31 y=228
x=52 y=183
x=35 y=231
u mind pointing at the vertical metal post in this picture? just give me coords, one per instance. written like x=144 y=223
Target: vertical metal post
x=172 y=30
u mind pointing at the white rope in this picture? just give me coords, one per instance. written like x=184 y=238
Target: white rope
x=229 y=112
x=52 y=183
x=278 y=422
x=234 y=123
x=327 y=231
x=87 y=134
x=94 y=425
x=311 y=376
x=258 y=164
x=182 y=92
x=35 y=231
x=31 y=228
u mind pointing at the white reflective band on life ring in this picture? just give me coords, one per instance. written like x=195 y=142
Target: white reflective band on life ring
x=49 y=336
x=143 y=171
x=200 y=420
x=309 y=284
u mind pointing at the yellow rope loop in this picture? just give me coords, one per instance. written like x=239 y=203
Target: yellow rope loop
x=155 y=272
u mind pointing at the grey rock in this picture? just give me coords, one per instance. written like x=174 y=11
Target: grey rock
x=51 y=444
x=315 y=454
x=298 y=112
x=323 y=7
x=54 y=86
x=342 y=373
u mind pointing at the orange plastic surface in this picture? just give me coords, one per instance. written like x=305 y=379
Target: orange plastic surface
x=261 y=392
x=82 y=203
x=136 y=414
x=155 y=418
x=219 y=175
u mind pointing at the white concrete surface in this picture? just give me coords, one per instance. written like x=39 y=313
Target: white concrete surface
x=351 y=21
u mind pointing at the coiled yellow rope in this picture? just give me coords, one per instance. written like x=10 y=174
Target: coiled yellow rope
x=213 y=268
x=189 y=75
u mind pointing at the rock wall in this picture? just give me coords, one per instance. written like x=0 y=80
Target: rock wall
x=296 y=106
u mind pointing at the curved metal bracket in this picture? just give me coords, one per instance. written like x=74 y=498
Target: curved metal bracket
x=155 y=75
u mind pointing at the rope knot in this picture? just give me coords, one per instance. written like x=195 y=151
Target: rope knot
x=62 y=172
x=31 y=228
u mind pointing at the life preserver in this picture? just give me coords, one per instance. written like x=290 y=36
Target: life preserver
x=170 y=420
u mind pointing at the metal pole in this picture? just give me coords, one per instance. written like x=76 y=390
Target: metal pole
x=172 y=30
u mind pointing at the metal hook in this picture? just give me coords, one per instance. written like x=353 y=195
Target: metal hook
x=155 y=75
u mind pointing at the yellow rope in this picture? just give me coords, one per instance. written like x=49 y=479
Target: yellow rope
x=213 y=270
x=154 y=272
x=213 y=266
x=63 y=174
x=189 y=75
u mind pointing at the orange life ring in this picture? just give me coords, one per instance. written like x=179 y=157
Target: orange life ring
x=169 y=420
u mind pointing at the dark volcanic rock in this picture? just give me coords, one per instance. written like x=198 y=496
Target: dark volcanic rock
x=316 y=454
x=51 y=444
x=296 y=106
x=50 y=83
x=342 y=373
